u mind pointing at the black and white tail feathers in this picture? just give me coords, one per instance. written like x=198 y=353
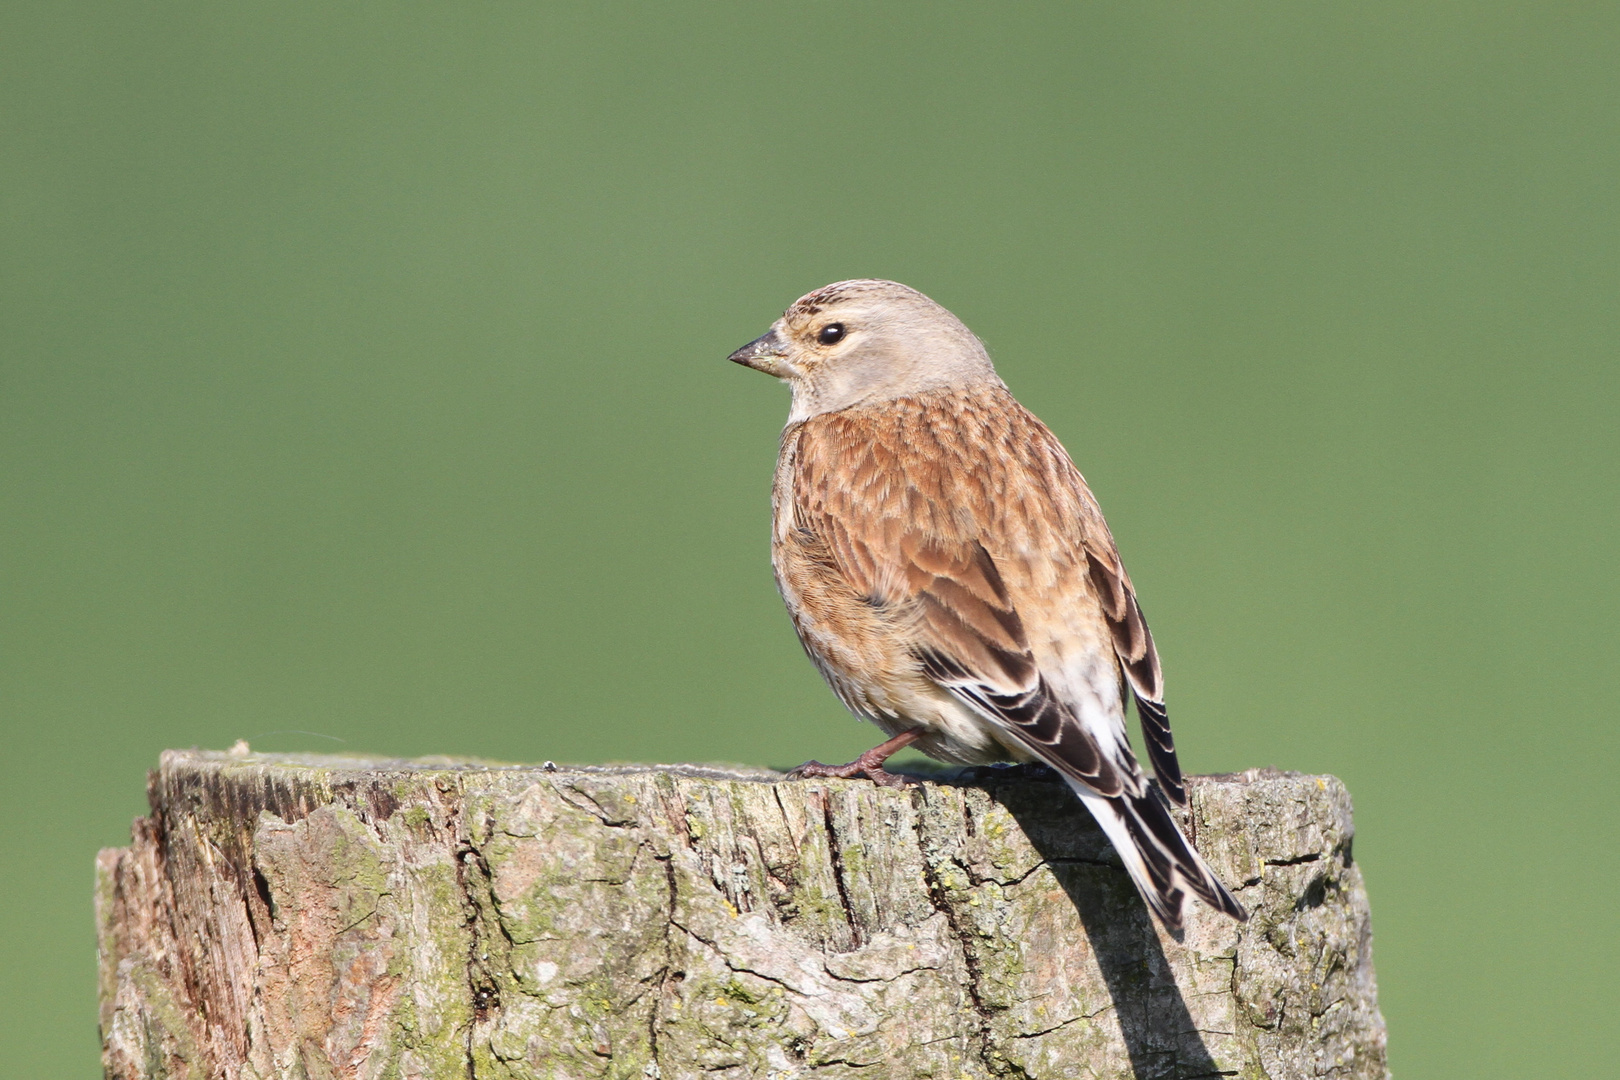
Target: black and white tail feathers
x=1135 y=817
x=1164 y=866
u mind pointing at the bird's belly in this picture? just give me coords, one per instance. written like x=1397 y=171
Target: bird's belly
x=873 y=673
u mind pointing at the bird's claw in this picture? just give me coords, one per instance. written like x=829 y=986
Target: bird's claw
x=873 y=771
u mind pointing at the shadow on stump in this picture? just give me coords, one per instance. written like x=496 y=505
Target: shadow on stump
x=1160 y=1035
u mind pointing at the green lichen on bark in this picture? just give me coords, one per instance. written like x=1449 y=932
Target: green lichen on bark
x=294 y=917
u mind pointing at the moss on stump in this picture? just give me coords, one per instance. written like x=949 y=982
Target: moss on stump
x=309 y=917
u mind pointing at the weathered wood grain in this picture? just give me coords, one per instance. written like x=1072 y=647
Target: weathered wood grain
x=306 y=917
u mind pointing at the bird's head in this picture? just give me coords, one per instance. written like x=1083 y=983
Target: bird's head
x=865 y=342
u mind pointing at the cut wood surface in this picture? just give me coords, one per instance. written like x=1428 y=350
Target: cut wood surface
x=306 y=917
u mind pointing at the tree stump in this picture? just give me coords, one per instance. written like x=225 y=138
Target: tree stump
x=307 y=917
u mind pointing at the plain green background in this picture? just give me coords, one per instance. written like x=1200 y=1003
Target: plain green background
x=363 y=388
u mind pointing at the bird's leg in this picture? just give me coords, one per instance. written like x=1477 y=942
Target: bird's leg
x=869 y=764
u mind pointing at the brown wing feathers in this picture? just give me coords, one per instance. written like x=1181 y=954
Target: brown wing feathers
x=1139 y=660
x=975 y=646
x=951 y=585
x=965 y=611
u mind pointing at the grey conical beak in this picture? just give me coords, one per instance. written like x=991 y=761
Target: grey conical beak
x=767 y=353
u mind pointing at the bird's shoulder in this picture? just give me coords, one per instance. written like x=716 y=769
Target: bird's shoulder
x=960 y=465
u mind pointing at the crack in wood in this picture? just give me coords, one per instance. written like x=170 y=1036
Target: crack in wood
x=520 y=922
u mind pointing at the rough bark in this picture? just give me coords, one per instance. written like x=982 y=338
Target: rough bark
x=304 y=917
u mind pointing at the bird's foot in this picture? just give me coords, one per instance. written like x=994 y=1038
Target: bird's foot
x=869 y=764
x=874 y=772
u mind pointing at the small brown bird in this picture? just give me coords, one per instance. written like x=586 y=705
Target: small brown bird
x=952 y=577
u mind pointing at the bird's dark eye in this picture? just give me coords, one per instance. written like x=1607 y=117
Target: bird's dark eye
x=831 y=334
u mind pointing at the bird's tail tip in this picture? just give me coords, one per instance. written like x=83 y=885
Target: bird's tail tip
x=1166 y=868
